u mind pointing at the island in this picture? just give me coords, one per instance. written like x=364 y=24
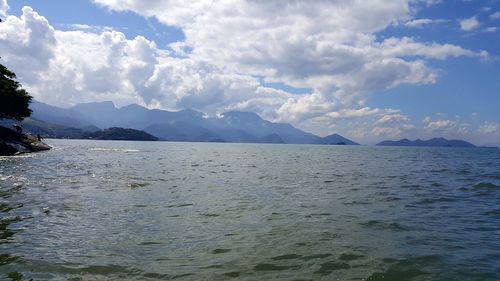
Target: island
x=434 y=142
x=15 y=143
x=336 y=139
x=116 y=133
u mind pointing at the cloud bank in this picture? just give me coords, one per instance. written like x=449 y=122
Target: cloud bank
x=230 y=47
x=4 y=7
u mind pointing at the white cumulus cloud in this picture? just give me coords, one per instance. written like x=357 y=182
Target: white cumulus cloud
x=328 y=46
x=469 y=24
x=488 y=128
x=446 y=127
x=417 y=23
x=4 y=8
x=69 y=67
x=392 y=118
x=27 y=43
x=230 y=46
x=495 y=16
x=491 y=29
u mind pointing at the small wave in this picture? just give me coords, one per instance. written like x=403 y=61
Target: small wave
x=145 y=243
x=441 y=170
x=113 y=149
x=270 y=267
x=287 y=257
x=4 y=208
x=157 y=276
x=412 y=186
x=210 y=215
x=4 y=178
x=220 y=251
x=350 y=257
x=179 y=205
x=391 y=198
x=314 y=257
x=233 y=274
x=485 y=185
x=436 y=200
x=134 y=185
x=330 y=266
x=406 y=269
x=376 y=224
x=354 y=202
x=108 y=270
x=24 y=155
x=493 y=213
x=318 y=215
x=396 y=274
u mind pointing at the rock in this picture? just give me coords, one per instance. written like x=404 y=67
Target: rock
x=40 y=146
x=6 y=149
x=20 y=147
x=12 y=143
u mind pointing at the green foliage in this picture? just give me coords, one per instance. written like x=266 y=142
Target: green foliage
x=14 y=100
x=117 y=133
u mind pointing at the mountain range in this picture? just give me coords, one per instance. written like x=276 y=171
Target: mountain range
x=184 y=125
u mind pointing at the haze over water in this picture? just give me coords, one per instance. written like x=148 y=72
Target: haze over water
x=110 y=210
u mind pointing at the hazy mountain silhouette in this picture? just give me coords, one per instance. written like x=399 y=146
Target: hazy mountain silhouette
x=440 y=142
x=184 y=125
x=255 y=125
x=60 y=116
x=337 y=139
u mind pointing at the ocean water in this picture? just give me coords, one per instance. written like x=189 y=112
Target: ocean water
x=110 y=210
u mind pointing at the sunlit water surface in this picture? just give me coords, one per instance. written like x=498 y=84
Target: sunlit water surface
x=109 y=210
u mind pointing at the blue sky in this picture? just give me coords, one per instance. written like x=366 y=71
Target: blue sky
x=61 y=13
x=369 y=71
x=465 y=86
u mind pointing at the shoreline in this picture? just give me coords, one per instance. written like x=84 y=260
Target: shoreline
x=13 y=143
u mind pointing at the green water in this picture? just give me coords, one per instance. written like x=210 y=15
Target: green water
x=103 y=210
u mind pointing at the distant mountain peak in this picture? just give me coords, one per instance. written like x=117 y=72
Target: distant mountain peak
x=333 y=135
x=101 y=106
x=133 y=106
x=243 y=115
x=98 y=103
x=189 y=124
x=191 y=111
x=337 y=139
x=188 y=110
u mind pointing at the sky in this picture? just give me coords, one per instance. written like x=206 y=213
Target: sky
x=368 y=70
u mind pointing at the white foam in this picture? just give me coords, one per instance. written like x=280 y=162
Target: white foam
x=113 y=149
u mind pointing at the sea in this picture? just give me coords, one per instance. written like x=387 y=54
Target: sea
x=118 y=210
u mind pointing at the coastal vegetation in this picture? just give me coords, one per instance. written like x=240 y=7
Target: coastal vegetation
x=14 y=100
x=14 y=105
x=116 y=133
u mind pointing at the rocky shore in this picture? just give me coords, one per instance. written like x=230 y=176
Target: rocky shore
x=13 y=143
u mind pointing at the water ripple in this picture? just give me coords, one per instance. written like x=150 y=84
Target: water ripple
x=99 y=210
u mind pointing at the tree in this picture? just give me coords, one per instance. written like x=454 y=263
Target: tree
x=14 y=100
